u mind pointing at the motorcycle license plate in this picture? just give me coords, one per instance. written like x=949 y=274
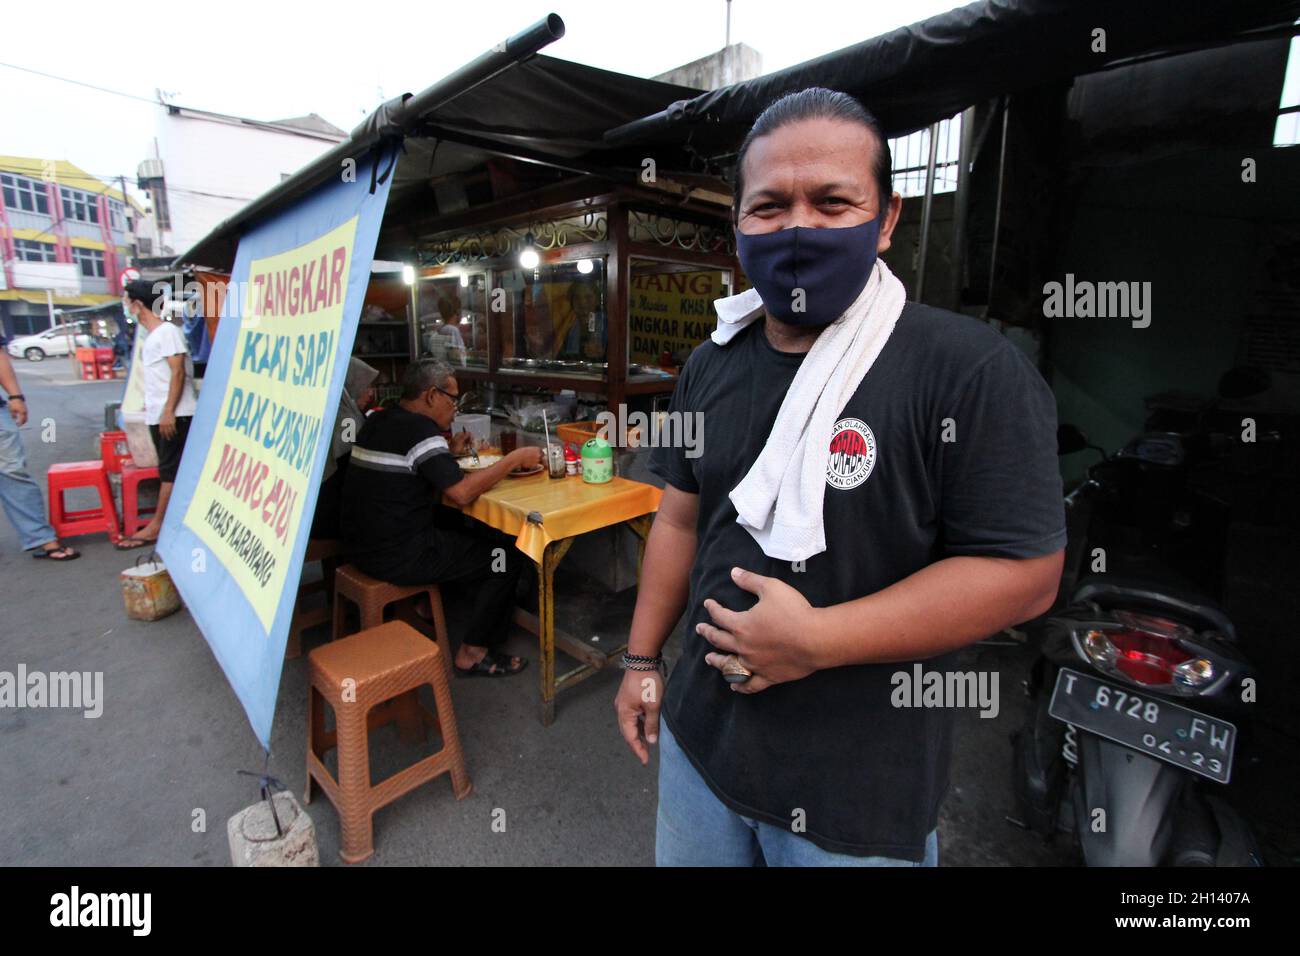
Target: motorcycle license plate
x=1150 y=725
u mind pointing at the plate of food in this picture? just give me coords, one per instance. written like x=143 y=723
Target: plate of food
x=525 y=472
x=485 y=459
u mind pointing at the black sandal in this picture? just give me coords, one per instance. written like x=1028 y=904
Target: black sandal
x=493 y=664
x=69 y=554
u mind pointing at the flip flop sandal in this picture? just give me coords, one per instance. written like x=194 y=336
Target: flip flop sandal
x=51 y=554
x=484 y=667
x=130 y=544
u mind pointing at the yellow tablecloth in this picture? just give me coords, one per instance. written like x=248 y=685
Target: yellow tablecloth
x=568 y=506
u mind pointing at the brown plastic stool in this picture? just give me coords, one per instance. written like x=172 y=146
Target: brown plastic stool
x=380 y=669
x=372 y=596
x=327 y=551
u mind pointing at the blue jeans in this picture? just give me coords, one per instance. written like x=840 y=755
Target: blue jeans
x=695 y=828
x=19 y=493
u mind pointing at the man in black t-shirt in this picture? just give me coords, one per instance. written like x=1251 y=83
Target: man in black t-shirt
x=943 y=523
x=399 y=467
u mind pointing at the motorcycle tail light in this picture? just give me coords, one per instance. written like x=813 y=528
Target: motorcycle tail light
x=1099 y=649
x=1145 y=657
x=1196 y=672
x=1146 y=650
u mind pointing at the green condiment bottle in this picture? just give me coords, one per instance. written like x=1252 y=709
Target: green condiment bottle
x=597 y=461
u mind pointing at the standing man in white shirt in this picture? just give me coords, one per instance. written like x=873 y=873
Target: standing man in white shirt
x=169 y=397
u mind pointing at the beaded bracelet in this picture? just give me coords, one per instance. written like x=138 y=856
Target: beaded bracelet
x=639 y=662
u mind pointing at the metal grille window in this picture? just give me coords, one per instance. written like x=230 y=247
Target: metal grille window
x=116 y=220
x=23 y=194
x=91 y=262
x=28 y=250
x=161 y=213
x=911 y=155
x=80 y=206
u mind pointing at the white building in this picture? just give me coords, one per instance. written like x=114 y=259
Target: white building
x=204 y=167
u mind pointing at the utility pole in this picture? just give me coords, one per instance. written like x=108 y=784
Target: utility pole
x=728 y=43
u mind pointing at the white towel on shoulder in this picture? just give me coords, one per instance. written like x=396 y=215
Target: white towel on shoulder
x=779 y=501
x=734 y=313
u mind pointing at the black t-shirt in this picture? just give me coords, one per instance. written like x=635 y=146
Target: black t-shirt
x=868 y=776
x=399 y=465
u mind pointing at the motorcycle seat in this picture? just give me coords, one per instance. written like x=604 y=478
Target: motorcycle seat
x=1112 y=591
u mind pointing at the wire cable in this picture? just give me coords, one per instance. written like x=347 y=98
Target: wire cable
x=91 y=86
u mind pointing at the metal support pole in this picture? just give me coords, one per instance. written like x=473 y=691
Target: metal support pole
x=961 y=208
x=927 y=209
x=997 y=215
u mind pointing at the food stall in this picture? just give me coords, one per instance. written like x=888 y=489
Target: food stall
x=605 y=300
x=582 y=306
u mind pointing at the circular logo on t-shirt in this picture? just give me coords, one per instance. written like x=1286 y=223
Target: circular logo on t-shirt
x=853 y=454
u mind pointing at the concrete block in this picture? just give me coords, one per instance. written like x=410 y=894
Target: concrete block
x=253 y=841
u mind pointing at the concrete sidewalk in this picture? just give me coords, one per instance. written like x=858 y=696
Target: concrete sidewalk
x=153 y=780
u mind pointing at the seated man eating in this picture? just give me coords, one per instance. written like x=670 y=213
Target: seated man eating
x=399 y=468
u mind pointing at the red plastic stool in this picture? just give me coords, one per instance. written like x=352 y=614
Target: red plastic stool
x=113 y=451
x=86 y=358
x=132 y=520
x=81 y=474
x=104 y=363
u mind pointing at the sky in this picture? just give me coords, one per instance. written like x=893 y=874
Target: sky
x=267 y=60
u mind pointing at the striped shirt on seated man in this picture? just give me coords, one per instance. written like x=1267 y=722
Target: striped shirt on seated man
x=395 y=527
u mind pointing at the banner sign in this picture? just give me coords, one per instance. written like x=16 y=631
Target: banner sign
x=237 y=524
x=671 y=312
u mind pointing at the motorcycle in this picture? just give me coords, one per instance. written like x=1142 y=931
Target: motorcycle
x=1137 y=693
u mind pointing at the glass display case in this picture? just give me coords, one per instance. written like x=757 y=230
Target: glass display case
x=554 y=318
x=600 y=297
x=384 y=329
x=452 y=319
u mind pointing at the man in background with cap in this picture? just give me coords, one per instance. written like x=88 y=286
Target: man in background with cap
x=169 y=397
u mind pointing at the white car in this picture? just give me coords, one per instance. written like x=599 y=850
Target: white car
x=53 y=341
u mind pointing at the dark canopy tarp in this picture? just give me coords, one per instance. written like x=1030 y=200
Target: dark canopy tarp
x=917 y=75
x=547 y=106
x=554 y=105
x=1210 y=99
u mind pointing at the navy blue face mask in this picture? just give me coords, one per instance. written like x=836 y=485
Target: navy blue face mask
x=829 y=266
